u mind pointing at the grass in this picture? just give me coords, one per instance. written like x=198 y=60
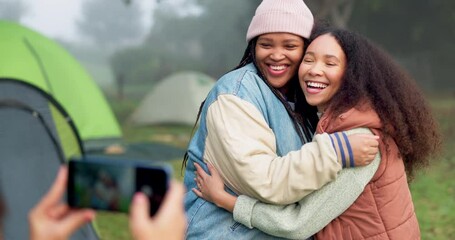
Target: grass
x=434 y=200
x=433 y=189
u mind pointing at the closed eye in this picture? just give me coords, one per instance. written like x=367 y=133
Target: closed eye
x=291 y=46
x=265 y=45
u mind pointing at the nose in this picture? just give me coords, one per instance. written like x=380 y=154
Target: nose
x=277 y=55
x=315 y=70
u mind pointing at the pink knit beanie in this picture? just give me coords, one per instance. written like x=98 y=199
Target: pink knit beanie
x=290 y=16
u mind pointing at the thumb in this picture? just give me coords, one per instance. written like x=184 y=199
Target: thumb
x=173 y=202
x=140 y=209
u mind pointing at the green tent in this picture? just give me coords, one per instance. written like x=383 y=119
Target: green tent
x=37 y=60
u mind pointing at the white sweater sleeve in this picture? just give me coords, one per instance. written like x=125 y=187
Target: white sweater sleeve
x=241 y=145
x=312 y=213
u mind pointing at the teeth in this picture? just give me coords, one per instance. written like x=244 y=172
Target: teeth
x=317 y=85
x=278 y=68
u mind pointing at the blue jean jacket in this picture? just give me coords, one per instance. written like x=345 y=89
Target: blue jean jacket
x=206 y=220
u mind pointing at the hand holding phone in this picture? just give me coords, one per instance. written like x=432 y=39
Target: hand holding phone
x=169 y=222
x=109 y=184
x=52 y=219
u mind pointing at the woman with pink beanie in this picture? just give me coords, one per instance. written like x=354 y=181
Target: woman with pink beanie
x=257 y=129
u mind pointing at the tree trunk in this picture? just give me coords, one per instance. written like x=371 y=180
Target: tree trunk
x=338 y=12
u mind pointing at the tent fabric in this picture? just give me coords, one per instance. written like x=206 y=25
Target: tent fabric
x=174 y=100
x=31 y=151
x=15 y=94
x=33 y=58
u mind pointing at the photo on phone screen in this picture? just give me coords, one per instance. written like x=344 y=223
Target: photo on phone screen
x=109 y=184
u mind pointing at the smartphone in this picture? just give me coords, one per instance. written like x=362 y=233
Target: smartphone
x=109 y=184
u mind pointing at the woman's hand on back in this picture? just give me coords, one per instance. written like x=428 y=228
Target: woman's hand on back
x=211 y=188
x=364 y=148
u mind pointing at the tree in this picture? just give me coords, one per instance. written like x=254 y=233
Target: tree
x=110 y=24
x=223 y=36
x=12 y=10
x=338 y=12
x=419 y=33
x=212 y=40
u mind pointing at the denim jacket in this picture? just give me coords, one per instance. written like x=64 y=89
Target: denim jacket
x=206 y=220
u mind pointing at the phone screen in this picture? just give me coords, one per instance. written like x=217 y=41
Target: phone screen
x=104 y=184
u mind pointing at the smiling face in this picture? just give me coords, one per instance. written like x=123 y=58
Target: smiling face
x=321 y=71
x=278 y=56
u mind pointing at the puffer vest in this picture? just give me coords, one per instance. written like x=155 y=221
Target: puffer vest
x=385 y=209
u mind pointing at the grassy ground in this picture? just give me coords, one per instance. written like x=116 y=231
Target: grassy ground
x=433 y=190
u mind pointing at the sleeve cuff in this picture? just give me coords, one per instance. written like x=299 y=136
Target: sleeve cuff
x=340 y=143
x=243 y=210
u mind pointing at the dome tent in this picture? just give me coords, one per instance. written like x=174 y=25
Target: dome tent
x=30 y=57
x=36 y=137
x=174 y=100
x=50 y=110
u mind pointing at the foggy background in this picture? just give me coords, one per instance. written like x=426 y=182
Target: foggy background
x=128 y=46
x=137 y=42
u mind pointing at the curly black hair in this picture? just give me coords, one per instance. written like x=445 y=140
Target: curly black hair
x=372 y=74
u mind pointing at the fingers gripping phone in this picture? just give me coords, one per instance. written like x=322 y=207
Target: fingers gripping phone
x=109 y=184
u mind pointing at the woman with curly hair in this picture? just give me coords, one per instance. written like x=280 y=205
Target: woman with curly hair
x=257 y=129
x=354 y=84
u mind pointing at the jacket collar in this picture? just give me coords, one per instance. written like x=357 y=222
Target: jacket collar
x=363 y=115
